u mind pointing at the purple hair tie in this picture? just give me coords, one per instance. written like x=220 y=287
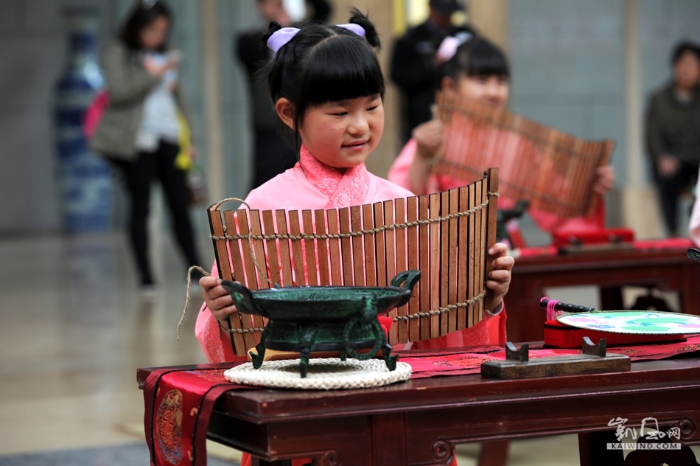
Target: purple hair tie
x=448 y=47
x=280 y=37
x=356 y=28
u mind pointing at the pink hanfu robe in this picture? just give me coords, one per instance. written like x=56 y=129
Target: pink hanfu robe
x=399 y=174
x=313 y=185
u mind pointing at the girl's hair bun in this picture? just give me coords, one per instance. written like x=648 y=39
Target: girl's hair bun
x=271 y=29
x=370 y=31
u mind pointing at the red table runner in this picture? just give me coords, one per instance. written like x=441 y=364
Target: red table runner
x=179 y=403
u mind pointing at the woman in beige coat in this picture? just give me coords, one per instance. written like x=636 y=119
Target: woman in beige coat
x=139 y=130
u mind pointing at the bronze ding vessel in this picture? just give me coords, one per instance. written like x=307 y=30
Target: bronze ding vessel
x=324 y=318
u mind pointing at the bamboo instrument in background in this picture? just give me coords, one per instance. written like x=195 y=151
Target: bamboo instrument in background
x=551 y=169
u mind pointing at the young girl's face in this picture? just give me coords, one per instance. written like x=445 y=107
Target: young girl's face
x=342 y=134
x=491 y=90
x=153 y=34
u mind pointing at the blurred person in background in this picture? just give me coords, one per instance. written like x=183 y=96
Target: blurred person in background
x=272 y=152
x=673 y=131
x=474 y=69
x=140 y=129
x=413 y=62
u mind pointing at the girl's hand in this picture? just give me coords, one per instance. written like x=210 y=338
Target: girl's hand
x=604 y=180
x=218 y=300
x=429 y=138
x=667 y=165
x=499 y=277
x=158 y=70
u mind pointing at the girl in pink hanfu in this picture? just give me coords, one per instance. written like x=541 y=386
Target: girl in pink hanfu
x=476 y=69
x=327 y=87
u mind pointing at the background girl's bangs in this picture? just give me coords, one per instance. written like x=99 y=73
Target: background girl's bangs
x=331 y=78
x=486 y=61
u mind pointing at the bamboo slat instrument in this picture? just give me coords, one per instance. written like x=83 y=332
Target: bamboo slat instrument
x=446 y=236
x=553 y=170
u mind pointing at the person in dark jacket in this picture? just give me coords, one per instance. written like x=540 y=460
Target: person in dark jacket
x=272 y=153
x=413 y=62
x=673 y=131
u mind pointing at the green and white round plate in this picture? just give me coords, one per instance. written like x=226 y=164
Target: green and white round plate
x=634 y=322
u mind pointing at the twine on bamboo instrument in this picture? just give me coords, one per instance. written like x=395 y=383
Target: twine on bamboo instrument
x=250 y=237
x=371 y=231
x=206 y=274
x=187 y=298
x=442 y=310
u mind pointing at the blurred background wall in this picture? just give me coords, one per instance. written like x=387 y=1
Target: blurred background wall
x=583 y=67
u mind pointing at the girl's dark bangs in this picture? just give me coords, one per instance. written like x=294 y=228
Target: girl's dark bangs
x=487 y=61
x=330 y=78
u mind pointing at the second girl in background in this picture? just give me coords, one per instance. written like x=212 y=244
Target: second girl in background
x=476 y=70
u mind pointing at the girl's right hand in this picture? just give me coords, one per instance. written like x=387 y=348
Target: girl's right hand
x=217 y=299
x=428 y=136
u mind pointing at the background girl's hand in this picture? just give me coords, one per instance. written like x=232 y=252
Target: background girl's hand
x=499 y=277
x=604 y=179
x=428 y=136
x=218 y=300
x=667 y=165
x=158 y=70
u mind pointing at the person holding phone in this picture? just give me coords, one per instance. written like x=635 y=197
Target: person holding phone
x=140 y=129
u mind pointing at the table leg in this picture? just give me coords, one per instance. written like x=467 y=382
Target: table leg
x=690 y=290
x=592 y=448
x=611 y=298
x=494 y=453
x=525 y=317
x=260 y=462
x=389 y=445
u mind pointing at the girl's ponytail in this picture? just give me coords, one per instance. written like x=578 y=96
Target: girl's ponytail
x=271 y=29
x=371 y=34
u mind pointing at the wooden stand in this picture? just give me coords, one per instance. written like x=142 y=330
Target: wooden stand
x=518 y=366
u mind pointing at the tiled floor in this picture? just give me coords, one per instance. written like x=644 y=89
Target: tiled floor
x=73 y=330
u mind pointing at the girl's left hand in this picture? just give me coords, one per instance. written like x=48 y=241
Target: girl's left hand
x=604 y=180
x=499 y=277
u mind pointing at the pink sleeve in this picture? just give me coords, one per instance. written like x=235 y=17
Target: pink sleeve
x=400 y=169
x=694 y=227
x=210 y=337
x=398 y=173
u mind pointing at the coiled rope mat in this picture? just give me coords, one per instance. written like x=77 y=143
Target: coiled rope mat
x=322 y=374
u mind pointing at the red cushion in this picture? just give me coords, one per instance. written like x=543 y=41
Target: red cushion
x=602 y=236
x=558 y=335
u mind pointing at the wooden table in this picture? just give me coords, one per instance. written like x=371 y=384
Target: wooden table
x=664 y=269
x=419 y=422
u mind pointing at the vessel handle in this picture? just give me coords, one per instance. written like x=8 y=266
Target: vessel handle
x=694 y=254
x=408 y=279
x=242 y=297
